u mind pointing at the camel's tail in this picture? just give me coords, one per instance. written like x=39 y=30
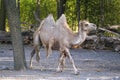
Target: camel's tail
x=37 y=42
x=36 y=35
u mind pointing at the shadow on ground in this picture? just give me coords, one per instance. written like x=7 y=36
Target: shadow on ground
x=92 y=65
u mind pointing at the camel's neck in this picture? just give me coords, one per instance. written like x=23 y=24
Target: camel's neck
x=79 y=38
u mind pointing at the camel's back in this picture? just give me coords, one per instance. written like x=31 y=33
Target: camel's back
x=65 y=33
x=47 y=29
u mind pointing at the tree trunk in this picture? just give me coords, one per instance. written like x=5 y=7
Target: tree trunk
x=19 y=6
x=78 y=10
x=102 y=13
x=86 y=7
x=14 y=23
x=60 y=7
x=37 y=11
x=38 y=7
x=2 y=15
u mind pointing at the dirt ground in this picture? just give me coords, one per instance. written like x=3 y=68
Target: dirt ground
x=92 y=65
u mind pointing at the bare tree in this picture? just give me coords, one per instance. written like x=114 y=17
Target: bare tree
x=14 y=23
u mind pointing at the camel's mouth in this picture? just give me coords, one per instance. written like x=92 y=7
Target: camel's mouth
x=85 y=30
x=93 y=28
x=90 y=29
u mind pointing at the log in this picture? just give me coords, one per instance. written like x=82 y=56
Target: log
x=117 y=48
x=5 y=37
x=110 y=31
x=114 y=26
x=95 y=42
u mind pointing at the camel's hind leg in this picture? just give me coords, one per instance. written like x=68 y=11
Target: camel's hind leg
x=61 y=64
x=37 y=51
x=50 y=44
x=32 y=54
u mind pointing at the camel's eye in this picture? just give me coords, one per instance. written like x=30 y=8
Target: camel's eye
x=86 y=24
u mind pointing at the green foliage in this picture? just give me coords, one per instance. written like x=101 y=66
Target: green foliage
x=0 y=4
x=27 y=7
x=89 y=9
x=71 y=13
x=48 y=7
x=112 y=12
x=26 y=11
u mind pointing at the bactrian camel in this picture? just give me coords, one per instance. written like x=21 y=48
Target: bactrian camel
x=51 y=32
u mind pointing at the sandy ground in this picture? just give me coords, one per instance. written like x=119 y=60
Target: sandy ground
x=92 y=65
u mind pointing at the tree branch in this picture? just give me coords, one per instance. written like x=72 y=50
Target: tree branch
x=36 y=17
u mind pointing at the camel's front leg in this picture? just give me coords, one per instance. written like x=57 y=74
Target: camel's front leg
x=50 y=44
x=72 y=61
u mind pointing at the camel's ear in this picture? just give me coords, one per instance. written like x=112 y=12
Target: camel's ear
x=86 y=24
x=80 y=23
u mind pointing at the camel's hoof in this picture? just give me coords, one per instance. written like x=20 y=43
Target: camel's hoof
x=59 y=70
x=77 y=73
x=30 y=67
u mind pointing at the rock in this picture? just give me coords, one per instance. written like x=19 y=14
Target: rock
x=117 y=48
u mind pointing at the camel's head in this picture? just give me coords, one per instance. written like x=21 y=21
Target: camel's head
x=86 y=26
